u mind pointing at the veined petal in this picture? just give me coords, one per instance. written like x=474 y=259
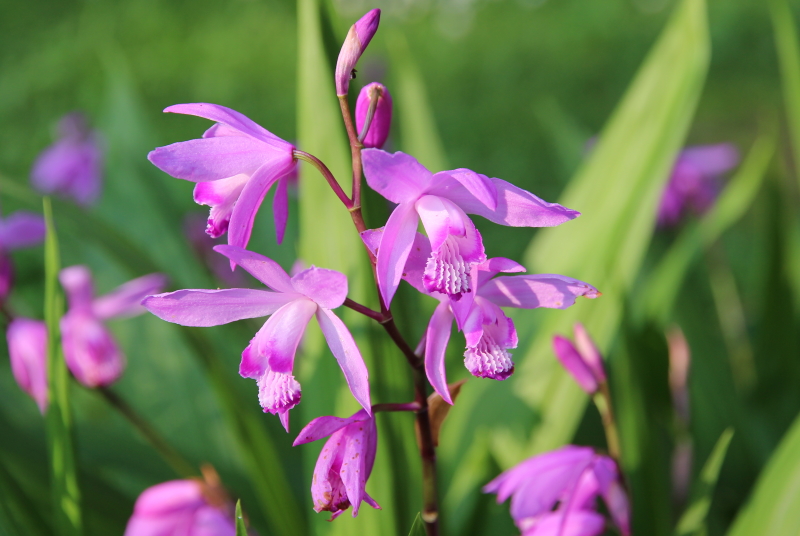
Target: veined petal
x=203 y=308
x=344 y=349
x=231 y=118
x=262 y=268
x=275 y=344
x=210 y=159
x=21 y=229
x=354 y=471
x=398 y=177
x=328 y=288
x=244 y=212
x=417 y=258
x=480 y=186
x=126 y=300
x=280 y=208
x=325 y=426
x=436 y=340
x=532 y=291
x=398 y=237
x=221 y=196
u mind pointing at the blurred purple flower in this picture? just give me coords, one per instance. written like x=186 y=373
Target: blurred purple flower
x=234 y=164
x=269 y=358
x=345 y=463
x=27 y=349
x=381 y=121
x=488 y=331
x=694 y=182
x=355 y=43
x=180 y=507
x=72 y=166
x=90 y=351
x=442 y=200
x=554 y=494
x=19 y=230
x=582 y=360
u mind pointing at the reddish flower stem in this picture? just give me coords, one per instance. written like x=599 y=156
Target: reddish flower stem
x=410 y=406
x=334 y=184
x=355 y=150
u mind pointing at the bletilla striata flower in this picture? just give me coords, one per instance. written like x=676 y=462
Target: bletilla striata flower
x=693 y=184
x=234 y=164
x=21 y=229
x=582 y=359
x=381 y=121
x=345 y=463
x=269 y=358
x=180 y=507
x=72 y=166
x=357 y=40
x=442 y=201
x=90 y=351
x=27 y=349
x=555 y=493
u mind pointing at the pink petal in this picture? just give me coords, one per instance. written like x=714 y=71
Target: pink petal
x=275 y=344
x=480 y=186
x=90 y=351
x=27 y=350
x=231 y=118
x=280 y=208
x=354 y=470
x=328 y=288
x=435 y=218
x=204 y=308
x=77 y=283
x=221 y=129
x=126 y=300
x=576 y=523
x=325 y=426
x=262 y=268
x=491 y=267
x=589 y=352
x=417 y=258
x=532 y=291
x=344 y=349
x=438 y=335
x=221 y=196
x=21 y=229
x=573 y=362
x=711 y=160
x=398 y=177
x=211 y=521
x=398 y=237
x=210 y=159
x=169 y=497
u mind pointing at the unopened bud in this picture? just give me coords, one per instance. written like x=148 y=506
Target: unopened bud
x=355 y=43
x=374 y=109
x=572 y=360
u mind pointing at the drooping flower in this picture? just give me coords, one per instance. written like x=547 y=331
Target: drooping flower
x=488 y=331
x=582 y=359
x=356 y=42
x=269 y=358
x=90 y=351
x=694 y=182
x=72 y=166
x=27 y=349
x=381 y=121
x=442 y=201
x=21 y=229
x=554 y=494
x=180 y=507
x=234 y=164
x=345 y=463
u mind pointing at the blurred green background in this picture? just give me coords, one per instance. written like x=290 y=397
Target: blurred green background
x=510 y=88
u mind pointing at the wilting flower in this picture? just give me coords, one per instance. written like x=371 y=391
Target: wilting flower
x=555 y=493
x=234 y=164
x=180 y=507
x=693 y=184
x=355 y=44
x=381 y=121
x=488 y=331
x=345 y=463
x=441 y=201
x=582 y=360
x=27 y=349
x=90 y=351
x=269 y=358
x=72 y=166
x=19 y=230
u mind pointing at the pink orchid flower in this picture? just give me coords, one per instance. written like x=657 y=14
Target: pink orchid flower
x=345 y=463
x=234 y=164
x=27 y=349
x=90 y=351
x=582 y=359
x=21 y=229
x=269 y=358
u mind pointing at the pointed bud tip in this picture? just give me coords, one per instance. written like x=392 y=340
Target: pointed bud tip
x=366 y=26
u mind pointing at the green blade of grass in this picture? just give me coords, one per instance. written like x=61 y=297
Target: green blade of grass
x=788 y=48
x=418 y=527
x=241 y=530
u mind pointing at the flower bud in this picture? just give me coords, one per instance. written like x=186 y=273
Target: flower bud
x=27 y=348
x=381 y=120
x=355 y=43
x=572 y=360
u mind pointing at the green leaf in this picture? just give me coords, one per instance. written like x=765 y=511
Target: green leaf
x=241 y=530
x=772 y=508
x=788 y=49
x=693 y=519
x=418 y=527
x=66 y=494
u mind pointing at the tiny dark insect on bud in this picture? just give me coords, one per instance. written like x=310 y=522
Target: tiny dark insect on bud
x=353 y=74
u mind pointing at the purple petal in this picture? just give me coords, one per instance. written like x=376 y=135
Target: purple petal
x=244 y=212
x=325 y=426
x=532 y=291
x=204 y=308
x=437 y=220
x=328 y=288
x=280 y=208
x=221 y=129
x=21 y=229
x=480 y=186
x=77 y=283
x=90 y=351
x=231 y=118
x=169 y=497
x=126 y=300
x=711 y=160
x=576 y=523
x=344 y=349
x=210 y=159
x=573 y=362
x=278 y=392
x=71 y=167
x=381 y=119
x=614 y=494
x=437 y=337
x=262 y=268
x=589 y=352
x=489 y=358
x=27 y=350
x=398 y=237
x=491 y=267
x=417 y=258
x=211 y=521
x=354 y=470
x=398 y=177
x=221 y=196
